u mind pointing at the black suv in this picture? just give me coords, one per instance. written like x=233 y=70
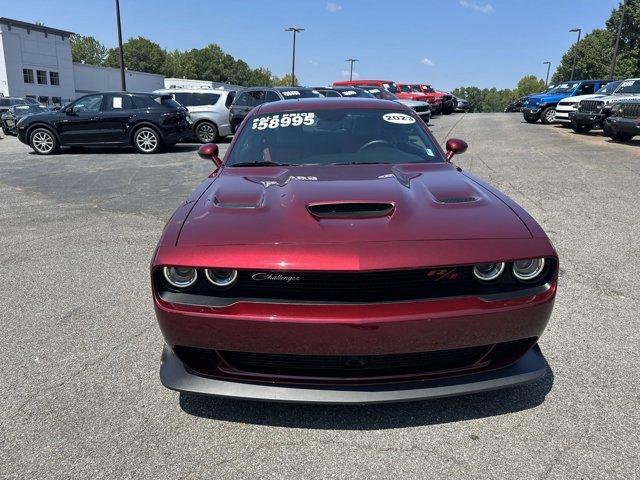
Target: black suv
x=340 y=91
x=146 y=121
x=248 y=99
x=7 y=102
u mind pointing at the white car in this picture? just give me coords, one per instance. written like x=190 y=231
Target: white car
x=592 y=112
x=570 y=104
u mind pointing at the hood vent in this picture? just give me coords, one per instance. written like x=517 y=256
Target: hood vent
x=458 y=200
x=350 y=210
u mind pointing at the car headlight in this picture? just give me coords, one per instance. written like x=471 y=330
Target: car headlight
x=220 y=277
x=180 y=277
x=528 y=269
x=488 y=272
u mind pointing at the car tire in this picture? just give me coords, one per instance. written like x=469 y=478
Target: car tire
x=621 y=137
x=530 y=118
x=580 y=127
x=548 y=115
x=43 y=141
x=147 y=140
x=206 y=132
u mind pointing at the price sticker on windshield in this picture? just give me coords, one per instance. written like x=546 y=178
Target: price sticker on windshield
x=627 y=83
x=398 y=118
x=283 y=120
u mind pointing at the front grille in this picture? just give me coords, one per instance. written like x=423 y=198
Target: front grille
x=629 y=110
x=421 y=108
x=565 y=104
x=590 y=106
x=342 y=366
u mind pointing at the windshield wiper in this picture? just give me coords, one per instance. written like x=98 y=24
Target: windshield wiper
x=260 y=164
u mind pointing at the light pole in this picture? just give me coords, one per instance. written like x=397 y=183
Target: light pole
x=615 y=48
x=293 y=60
x=546 y=82
x=123 y=81
x=575 y=52
x=352 y=60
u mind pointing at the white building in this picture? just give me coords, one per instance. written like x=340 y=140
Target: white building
x=35 y=61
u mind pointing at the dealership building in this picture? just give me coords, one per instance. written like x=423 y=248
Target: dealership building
x=35 y=62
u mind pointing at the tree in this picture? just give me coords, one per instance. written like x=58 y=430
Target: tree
x=285 y=81
x=87 y=50
x=593 y=58
x=140 y=54
x=529 y=84
x=261 y=76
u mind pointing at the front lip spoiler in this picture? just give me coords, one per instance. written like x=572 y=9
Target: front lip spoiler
x=532 y=366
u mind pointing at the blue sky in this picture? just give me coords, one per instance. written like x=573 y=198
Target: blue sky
x=447 y=43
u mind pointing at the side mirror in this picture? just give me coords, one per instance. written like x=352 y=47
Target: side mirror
x=71 y=111
x=455 y=147
x=209 y=151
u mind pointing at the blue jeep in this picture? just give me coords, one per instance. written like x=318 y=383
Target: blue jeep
x=543 y=105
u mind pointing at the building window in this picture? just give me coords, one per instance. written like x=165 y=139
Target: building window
x=42 y=77
x=43 y=100
x=54 y=78
x=56 y=100
x=27 y=75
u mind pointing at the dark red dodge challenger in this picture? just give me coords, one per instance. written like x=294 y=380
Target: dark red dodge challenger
x=336 y=255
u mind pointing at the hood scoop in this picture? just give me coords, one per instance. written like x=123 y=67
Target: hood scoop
x=351 y=210
x=458 y=200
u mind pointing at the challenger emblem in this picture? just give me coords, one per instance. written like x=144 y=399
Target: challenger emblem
x=441 y=274
x=258 y=277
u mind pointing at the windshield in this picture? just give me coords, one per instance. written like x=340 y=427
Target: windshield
x=629 y=86
x=333 y=137
x=381 y=93
x=406 y=88
x=294 y=93
x=564 y=87
x=609 y=88
x=356 y=92
x=392 y=87
x=23 y=109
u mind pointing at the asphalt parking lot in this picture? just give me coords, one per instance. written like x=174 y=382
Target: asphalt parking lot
x=80 y=392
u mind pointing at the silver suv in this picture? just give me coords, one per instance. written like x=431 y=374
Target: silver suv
x=208 y=109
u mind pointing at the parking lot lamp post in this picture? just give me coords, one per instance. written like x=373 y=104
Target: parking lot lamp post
x=293 y=61
x=548 y=64
x=123 y=81
x=575 y=52
x=352 y=60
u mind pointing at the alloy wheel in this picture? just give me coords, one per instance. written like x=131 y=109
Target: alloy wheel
x=146 y=140
x=551 y=116
x=206 y=133
x=43 y=142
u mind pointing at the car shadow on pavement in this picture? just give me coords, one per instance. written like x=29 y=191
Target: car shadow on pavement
x=371 y=417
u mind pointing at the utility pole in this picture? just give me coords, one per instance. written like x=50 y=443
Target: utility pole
x=293 y=60
x=575 y=52
x=352 y=60
x=615 y=48
x=123 y=80
x=546 y=82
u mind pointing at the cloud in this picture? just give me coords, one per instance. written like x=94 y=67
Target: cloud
x=475 y=6
x=426 y=61
x=333 y=7
x=313 y=62
x=345 y=73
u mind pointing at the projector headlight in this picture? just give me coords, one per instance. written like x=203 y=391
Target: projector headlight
x=528 y=269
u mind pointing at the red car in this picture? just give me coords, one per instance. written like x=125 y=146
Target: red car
x=448 y=101
x=387 y=85
x=434 y=99
x=336 y=255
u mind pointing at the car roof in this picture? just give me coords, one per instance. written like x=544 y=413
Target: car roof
x=328 y=104
x=164 y=91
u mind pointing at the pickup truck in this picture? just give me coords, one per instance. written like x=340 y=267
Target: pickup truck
x=387 y=85
x=624 y=122
x=445 y=98
x=592 y=112
x=543 y=106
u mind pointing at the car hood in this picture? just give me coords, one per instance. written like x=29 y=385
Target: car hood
x=548 y=97
x=619 y=97
x=411 y=103
x=578 y=98
x=270 y=205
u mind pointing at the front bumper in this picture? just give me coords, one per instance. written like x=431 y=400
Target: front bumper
x=564 y=115
x=9 y=126
x=531 y=111
x=591 y=119
x=530 y=367
x=624 y=125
